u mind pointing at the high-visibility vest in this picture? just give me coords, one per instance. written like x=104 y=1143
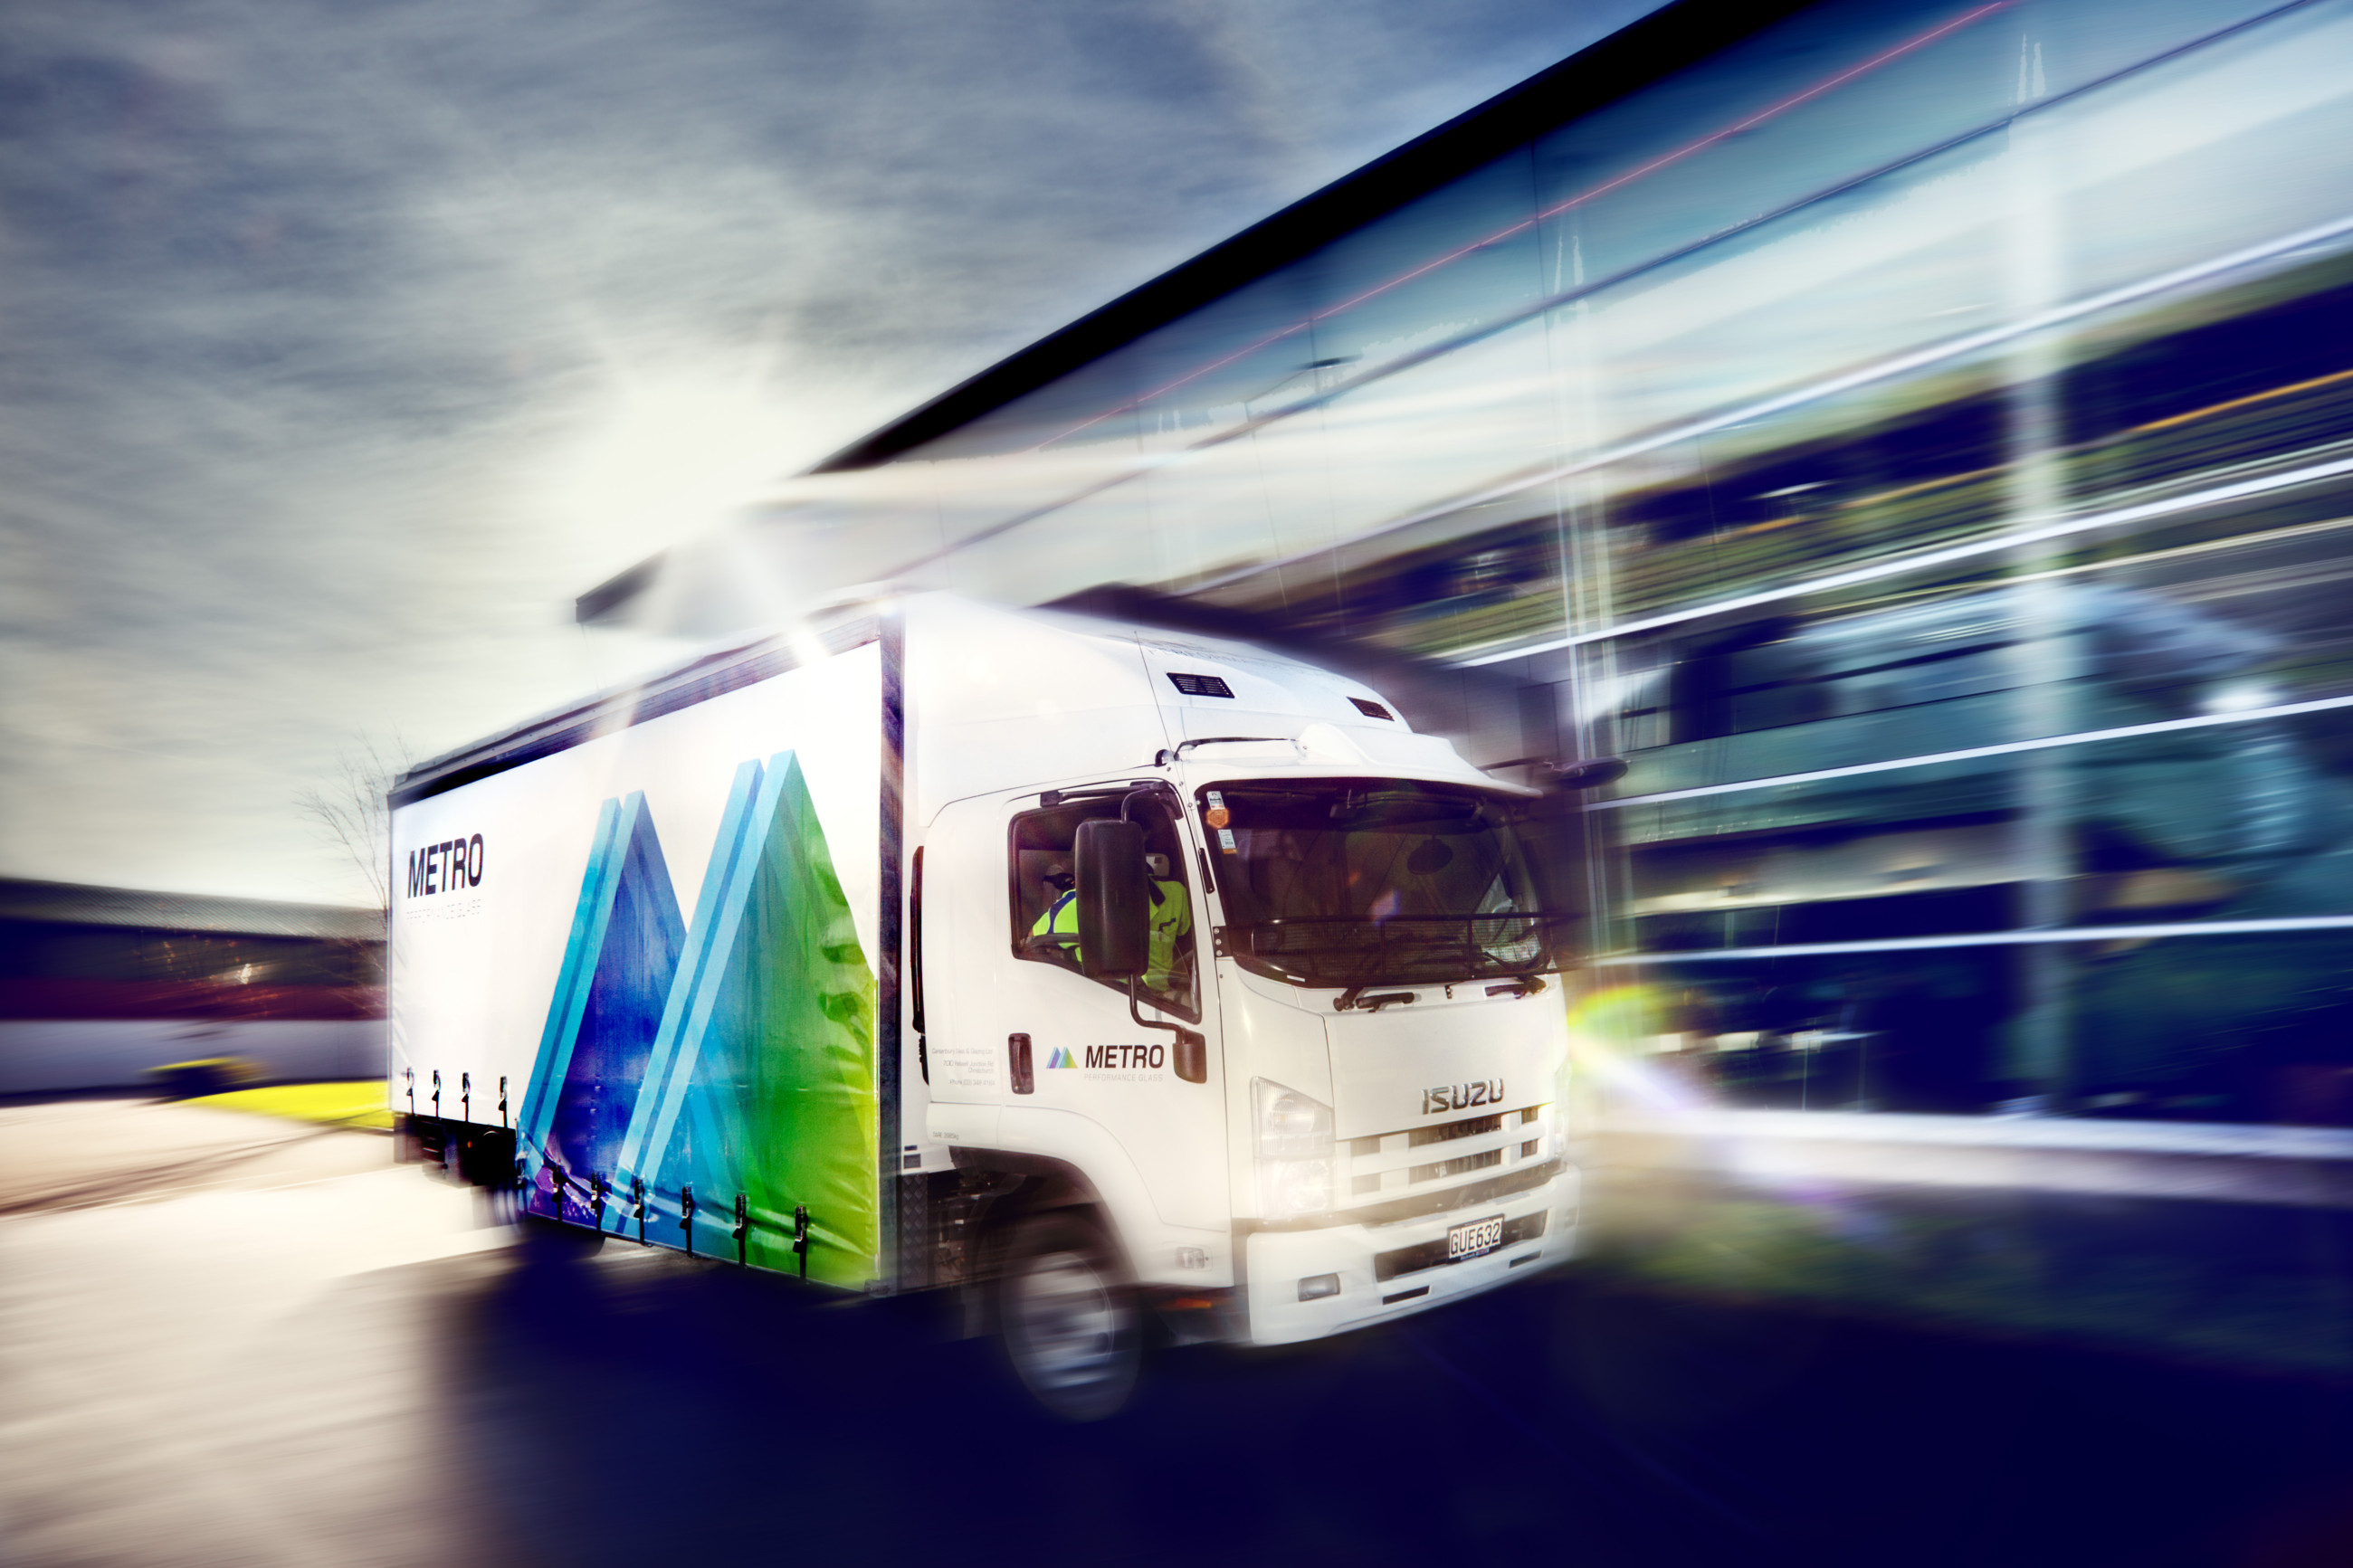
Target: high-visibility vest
x=1171 y=918
x=1062 y=919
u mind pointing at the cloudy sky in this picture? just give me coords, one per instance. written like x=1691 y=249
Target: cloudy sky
x=342 y=344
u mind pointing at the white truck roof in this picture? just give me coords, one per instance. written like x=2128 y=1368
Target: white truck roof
x=1009 y=697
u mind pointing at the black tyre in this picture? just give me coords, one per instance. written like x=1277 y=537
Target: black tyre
x=1068 y=1316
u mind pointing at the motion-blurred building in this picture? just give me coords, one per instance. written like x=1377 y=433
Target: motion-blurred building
x=99 y=985
x=1918 y=436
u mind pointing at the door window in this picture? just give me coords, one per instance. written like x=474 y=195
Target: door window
x=1045 y=911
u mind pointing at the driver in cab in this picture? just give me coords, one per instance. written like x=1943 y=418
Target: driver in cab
x=1171 y=918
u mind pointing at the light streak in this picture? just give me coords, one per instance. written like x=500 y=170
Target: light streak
x=1985 y=938
x=1972 y=753
x=2121 y=517
x=2248 y=401
x=1750 y=122
x=1592 y=288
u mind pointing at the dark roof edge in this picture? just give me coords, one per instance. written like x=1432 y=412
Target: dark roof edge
x=1633 y=57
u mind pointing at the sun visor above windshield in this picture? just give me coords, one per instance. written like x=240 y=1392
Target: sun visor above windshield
x=1318 y=745
x=1431 y=753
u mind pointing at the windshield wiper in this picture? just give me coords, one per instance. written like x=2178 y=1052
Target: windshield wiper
x=1354 y=996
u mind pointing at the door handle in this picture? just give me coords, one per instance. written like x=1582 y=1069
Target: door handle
x=1017 y=1051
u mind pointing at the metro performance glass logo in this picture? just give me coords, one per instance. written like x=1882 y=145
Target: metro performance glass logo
x=445 y=866
x=1124 y=1061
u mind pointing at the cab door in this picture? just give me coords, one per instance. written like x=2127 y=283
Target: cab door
x=1018 y=1025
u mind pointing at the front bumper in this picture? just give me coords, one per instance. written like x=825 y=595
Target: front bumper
x=1277 y=1260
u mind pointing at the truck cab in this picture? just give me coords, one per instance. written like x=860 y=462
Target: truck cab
x=1266 y=1019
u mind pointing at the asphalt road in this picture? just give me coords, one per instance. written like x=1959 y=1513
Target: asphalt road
x=237 y=1342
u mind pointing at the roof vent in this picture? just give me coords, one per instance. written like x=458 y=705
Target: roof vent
x=1371 y=710
x=1203 y=685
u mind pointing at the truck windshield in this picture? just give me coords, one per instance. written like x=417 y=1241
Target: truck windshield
x=1371 y=881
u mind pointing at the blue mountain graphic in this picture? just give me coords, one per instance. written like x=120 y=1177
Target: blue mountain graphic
x=601 y=1023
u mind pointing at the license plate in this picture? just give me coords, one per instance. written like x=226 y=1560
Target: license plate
x=1476 y=1238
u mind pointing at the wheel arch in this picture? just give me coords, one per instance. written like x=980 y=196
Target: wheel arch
x=1034 y=1185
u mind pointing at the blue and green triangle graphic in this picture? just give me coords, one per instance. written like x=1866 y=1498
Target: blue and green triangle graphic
x=731 y=1054
x=610 y=993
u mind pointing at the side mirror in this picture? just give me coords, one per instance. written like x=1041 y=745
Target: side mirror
x=1561 y=776
x=1113 y=899
x=1591 y=774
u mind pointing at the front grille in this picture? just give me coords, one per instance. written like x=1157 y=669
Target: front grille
x=1417 y=1175
x=1436 y=1200
x=1383 y=1175
x=1448 y=1132
x=1444 y=1132
x=1433 y=1253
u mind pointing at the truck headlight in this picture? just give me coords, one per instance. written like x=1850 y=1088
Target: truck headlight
x=1294 y=1139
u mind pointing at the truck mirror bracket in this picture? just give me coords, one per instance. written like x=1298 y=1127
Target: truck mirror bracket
x=1567 y=773
x=1192 y=1052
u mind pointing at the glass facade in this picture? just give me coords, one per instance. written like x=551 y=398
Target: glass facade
x=1919 y=438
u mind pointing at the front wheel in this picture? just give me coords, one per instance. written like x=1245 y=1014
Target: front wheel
x=1069 y=1321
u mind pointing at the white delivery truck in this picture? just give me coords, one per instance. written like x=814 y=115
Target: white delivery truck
x=1119 y=975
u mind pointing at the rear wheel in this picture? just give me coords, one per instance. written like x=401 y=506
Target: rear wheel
x=1068 y=1318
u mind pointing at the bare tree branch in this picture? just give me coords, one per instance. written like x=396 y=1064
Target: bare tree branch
x=351 y=812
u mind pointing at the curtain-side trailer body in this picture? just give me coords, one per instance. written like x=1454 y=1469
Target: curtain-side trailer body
x=1107 y=970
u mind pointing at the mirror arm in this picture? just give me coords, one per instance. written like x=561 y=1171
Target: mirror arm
x=1567 y=773
x=1135 y=1010
x=1190 y=1055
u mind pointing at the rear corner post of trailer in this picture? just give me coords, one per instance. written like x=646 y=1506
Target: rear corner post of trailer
x=1126 y=982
